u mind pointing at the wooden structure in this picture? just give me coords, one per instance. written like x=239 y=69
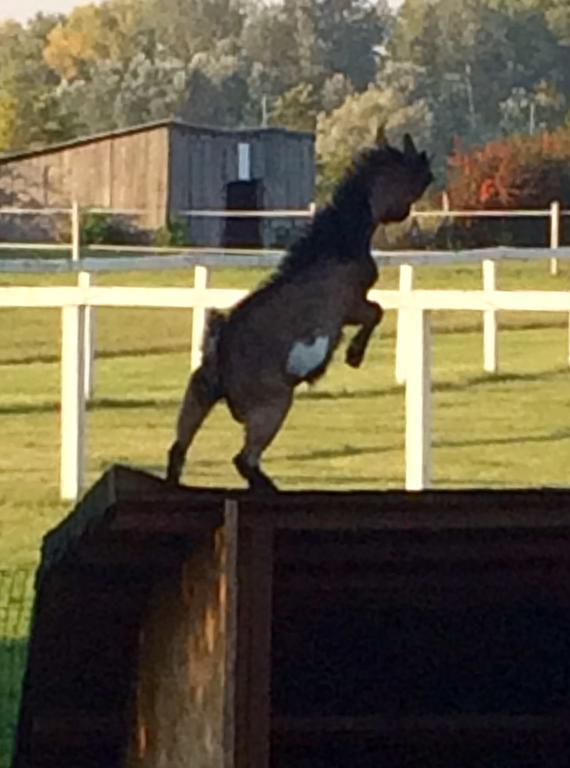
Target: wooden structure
x=213 y=628
x=160 y=169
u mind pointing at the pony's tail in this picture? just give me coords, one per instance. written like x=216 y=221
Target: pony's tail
x=210 y=347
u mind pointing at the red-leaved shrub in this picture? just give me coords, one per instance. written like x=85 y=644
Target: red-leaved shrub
x=522 y=172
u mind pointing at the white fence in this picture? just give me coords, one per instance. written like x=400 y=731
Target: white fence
x=413 y=347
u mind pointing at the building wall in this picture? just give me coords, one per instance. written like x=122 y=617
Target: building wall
x=203 y=163
x=286 y=163
x=160 y=170
x=127 y=171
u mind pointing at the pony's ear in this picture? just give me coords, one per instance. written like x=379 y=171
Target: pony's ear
x=409 y=146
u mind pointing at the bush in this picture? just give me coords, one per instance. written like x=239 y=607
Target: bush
x=525 y=172
x=96 y=228
x=109 y=229
x=173 y=234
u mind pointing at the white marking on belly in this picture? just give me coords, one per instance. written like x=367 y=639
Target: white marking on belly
x=304 y=358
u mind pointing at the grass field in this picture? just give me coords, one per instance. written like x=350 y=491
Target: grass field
x=512 y=429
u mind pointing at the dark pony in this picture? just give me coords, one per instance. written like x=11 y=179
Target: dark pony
x=287 y=330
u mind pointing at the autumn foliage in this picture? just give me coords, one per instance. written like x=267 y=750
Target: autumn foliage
x=522 y=172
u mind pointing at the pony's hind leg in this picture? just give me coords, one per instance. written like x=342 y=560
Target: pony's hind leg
x=200 y=396
x=368 y=315
x=261 y=425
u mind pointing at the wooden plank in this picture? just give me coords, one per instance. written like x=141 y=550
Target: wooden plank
x=248 y=710
x=260 y=573
x=440 y=589
x=447 y=728
x=429 y=510
x=231 y=708
x=71 y=728
x=422 y=550
x=152 y=180
x=146 y=518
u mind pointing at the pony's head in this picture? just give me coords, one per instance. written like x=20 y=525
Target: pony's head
x=393 y=179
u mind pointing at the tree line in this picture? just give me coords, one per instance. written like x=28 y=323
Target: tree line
x=455 y=73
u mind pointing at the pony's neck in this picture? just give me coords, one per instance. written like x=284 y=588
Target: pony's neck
x=350 y=217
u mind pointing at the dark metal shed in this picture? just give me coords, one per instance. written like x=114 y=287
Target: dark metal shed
x=214 y=628
x=160 y=169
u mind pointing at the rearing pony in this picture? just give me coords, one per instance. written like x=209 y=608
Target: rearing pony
x=287 y=330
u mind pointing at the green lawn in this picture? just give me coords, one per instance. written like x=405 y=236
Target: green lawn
x=512 y=429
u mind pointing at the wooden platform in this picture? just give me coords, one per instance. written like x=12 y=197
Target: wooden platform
x=216 y=628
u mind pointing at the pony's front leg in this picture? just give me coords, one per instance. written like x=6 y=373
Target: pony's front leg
x=368 y=315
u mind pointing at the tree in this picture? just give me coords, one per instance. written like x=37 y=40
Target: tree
x=354 y=124
x=296 y=108
x=116 y=94
x=335 y=90
x=29 y=113
x=349 y=31
x=188 y=27
x=475 y=54
x=312 y=41
x=114 y=30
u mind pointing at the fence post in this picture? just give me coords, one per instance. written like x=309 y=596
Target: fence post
x=72 y=402
x=201 y=278
x=490 y=325
x=402 y=331
x=84 y=281
x=418 y=401
x=312 y=209
x=554 y=234
x=569 y=339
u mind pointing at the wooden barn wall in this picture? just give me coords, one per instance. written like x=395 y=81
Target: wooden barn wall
x=180 y=686
x=286 y=163
x=125 y=172
x=202 y=164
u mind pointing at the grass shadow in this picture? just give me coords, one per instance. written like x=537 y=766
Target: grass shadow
x=46 y=359
x=346 y=451
x=559 y=435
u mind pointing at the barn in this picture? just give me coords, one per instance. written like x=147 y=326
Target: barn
x=191 y=627
x=160 y=170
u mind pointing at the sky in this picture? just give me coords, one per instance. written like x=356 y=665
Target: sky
x=24 y=9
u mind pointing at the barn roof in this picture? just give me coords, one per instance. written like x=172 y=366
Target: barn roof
x=239 y=133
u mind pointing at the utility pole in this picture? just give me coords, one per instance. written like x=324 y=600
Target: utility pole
x=264 y=115
x=532 y=117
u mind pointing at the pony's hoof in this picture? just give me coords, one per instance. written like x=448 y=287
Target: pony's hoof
x=257 y=481
x=263 y=486
x=354 y=357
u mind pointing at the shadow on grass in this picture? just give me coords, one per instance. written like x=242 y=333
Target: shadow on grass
x=111 y=403
x=12 y=667
x=44 y=359
x=131 y=403
x=345 y=452
x=469 y=382
x=296 y=482
x=560 y=435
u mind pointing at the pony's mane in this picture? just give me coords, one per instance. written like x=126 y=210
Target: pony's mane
x=345 y=224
